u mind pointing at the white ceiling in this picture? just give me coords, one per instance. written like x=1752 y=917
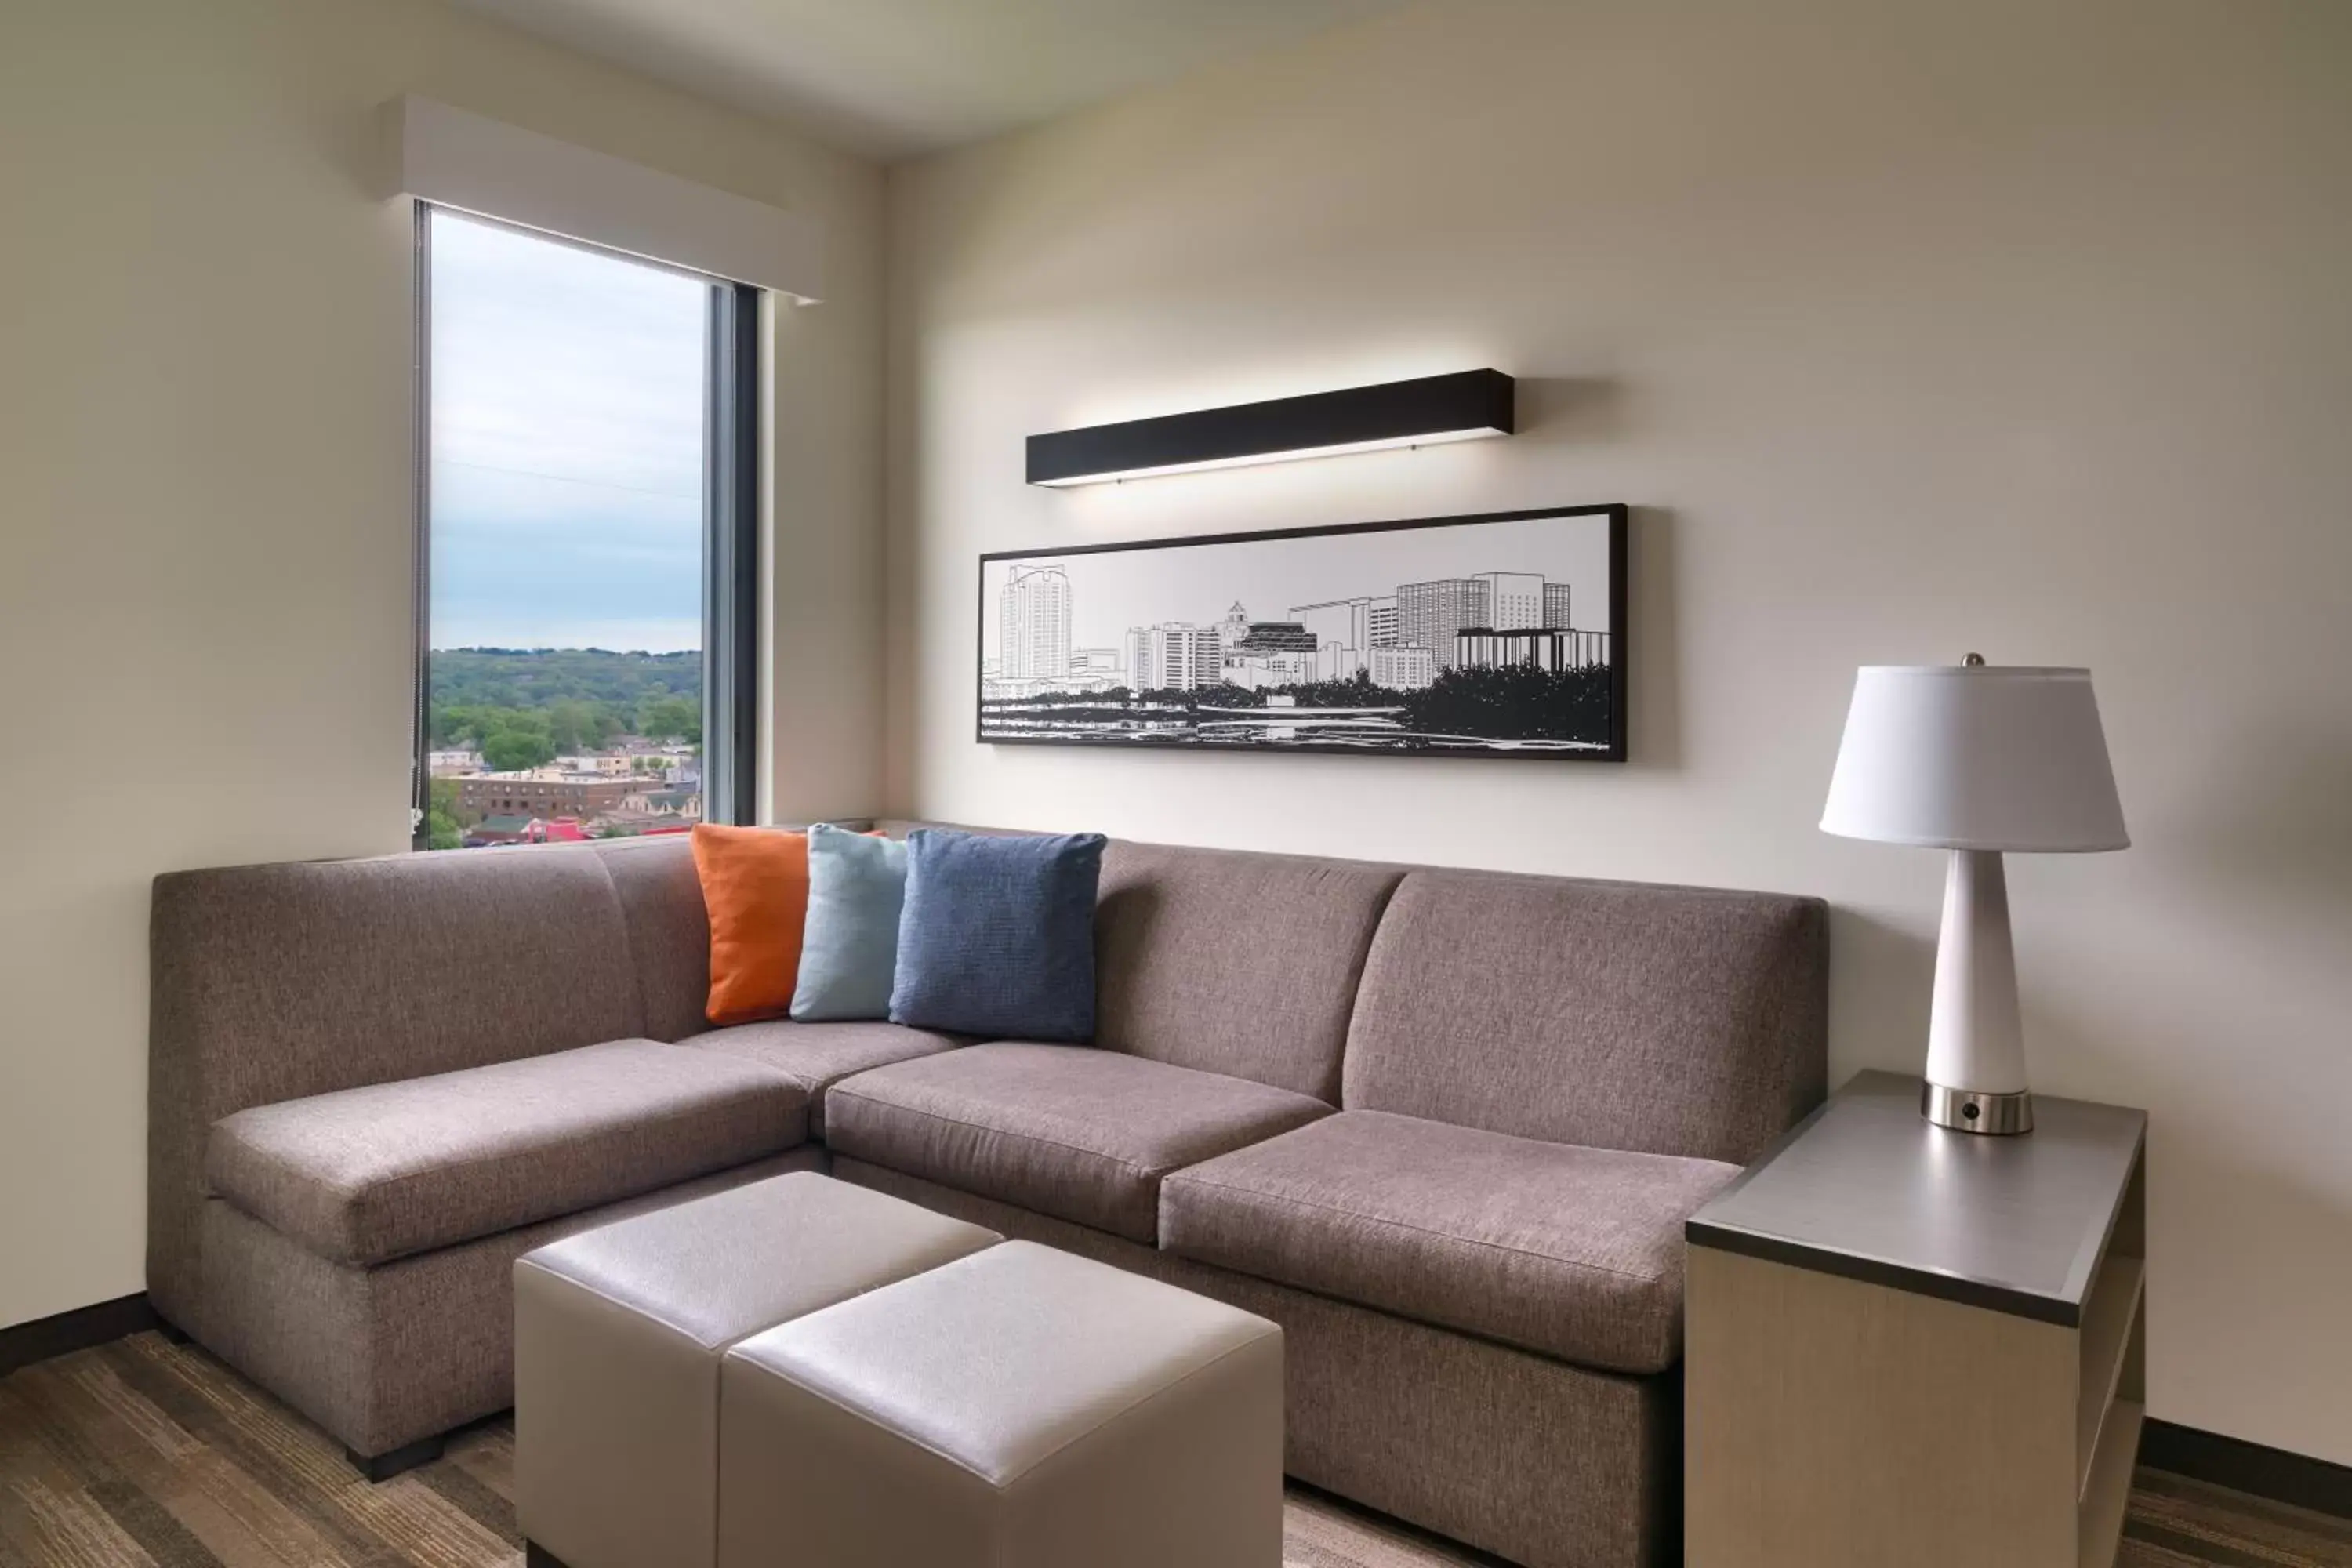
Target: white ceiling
x=895 y=79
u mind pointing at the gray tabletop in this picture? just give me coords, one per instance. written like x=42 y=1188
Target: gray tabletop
x=1867 y=1188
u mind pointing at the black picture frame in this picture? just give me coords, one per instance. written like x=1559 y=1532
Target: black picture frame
x=1615 y=749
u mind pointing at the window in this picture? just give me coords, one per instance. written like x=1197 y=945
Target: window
x=588 y=481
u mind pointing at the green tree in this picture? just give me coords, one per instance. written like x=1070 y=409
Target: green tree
x=442 y=818
x=578 y=726
x=670 y=719
x=512 y=751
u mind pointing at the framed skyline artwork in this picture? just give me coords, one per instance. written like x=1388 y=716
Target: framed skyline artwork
x=1500 y=635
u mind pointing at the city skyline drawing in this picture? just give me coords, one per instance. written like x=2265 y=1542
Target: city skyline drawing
x=1492 y=634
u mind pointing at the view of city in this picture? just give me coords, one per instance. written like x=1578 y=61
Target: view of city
x=549 y=745
x=564 y=681
x=1470 y=660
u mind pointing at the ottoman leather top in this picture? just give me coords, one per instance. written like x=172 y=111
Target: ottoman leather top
x=731 y=1264
x=999 y=1360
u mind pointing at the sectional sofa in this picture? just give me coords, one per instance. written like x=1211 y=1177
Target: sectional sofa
x=1443 y=1125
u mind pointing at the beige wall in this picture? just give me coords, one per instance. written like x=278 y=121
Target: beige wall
x=204 y=502
x=1912 y=328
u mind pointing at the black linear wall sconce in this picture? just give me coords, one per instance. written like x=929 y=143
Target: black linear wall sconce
x=1466 y=406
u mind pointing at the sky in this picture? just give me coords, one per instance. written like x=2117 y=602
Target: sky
x=1113 y=590
x=567 y=392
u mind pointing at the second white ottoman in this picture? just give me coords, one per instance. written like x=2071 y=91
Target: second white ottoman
x=1018 y=1405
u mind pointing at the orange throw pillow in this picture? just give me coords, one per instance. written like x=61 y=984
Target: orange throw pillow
x=755 y=884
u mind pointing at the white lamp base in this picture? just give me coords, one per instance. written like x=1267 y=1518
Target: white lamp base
x=1976 y=1044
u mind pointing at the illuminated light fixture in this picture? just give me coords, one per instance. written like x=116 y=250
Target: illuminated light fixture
x=1468 y=405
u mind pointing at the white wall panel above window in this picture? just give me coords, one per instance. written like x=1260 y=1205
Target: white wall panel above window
x=455 y=159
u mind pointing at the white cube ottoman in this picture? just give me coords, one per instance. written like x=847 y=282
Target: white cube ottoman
x=1019 y=1405
x=618 y=1336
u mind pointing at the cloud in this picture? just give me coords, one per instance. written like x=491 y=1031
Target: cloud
x=567 y=436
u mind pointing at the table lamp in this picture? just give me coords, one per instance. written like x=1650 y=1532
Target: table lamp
x=1978 y=759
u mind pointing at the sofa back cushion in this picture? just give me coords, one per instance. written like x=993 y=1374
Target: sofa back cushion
x=1618 y=1015
x=667 y=927
x=1233 y=963
x=278 y=981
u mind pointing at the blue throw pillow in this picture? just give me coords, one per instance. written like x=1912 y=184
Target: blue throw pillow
x=998 y=936
x=856 y=885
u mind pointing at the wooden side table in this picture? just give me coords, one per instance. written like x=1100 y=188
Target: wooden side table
x=1907 y=1345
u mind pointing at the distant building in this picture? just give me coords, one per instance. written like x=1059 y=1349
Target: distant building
x=1088 y=664
x=1272 y=652
x=532 y=795
x=1381 y=623
x=1274 y=636
x=598 y=764
x=1403 y=669
x=1514 y=599
x=1429 y=614
x=452 y=764
x=1033 y=624
x=1174 y=656
x=1234 y=626
x=1349 y=625
x=1556 y=598
x=1488 y=647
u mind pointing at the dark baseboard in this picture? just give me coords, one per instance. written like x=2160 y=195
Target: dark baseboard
x=75 y=1330
x=2273 y=1473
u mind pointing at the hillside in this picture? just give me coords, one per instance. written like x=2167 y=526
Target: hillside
x=521 y=706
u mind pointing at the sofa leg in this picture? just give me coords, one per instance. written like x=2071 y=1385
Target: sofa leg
x=398 y=1461
x=534 y=1555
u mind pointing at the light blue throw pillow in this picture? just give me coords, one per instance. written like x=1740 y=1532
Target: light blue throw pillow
x=857 y=885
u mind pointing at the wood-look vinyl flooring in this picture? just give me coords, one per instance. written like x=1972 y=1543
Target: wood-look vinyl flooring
x=143 y=1454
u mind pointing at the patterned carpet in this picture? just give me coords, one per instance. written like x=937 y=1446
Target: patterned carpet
x=141 y=1454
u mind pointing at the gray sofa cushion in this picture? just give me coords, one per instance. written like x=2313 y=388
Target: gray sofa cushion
x=1068 y=1131
x=1613 y=1014
x=1577 y=1253
x=1232 y=963
x=361 y=1175
x=815 y=1056
x=669 y=928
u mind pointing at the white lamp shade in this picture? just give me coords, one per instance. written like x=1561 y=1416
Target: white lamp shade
x=1974 y=757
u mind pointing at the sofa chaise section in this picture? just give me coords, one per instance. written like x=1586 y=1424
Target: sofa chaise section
x=366 y=1175
x=277 y=982
x=390 y=1357
x=374 y=1083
